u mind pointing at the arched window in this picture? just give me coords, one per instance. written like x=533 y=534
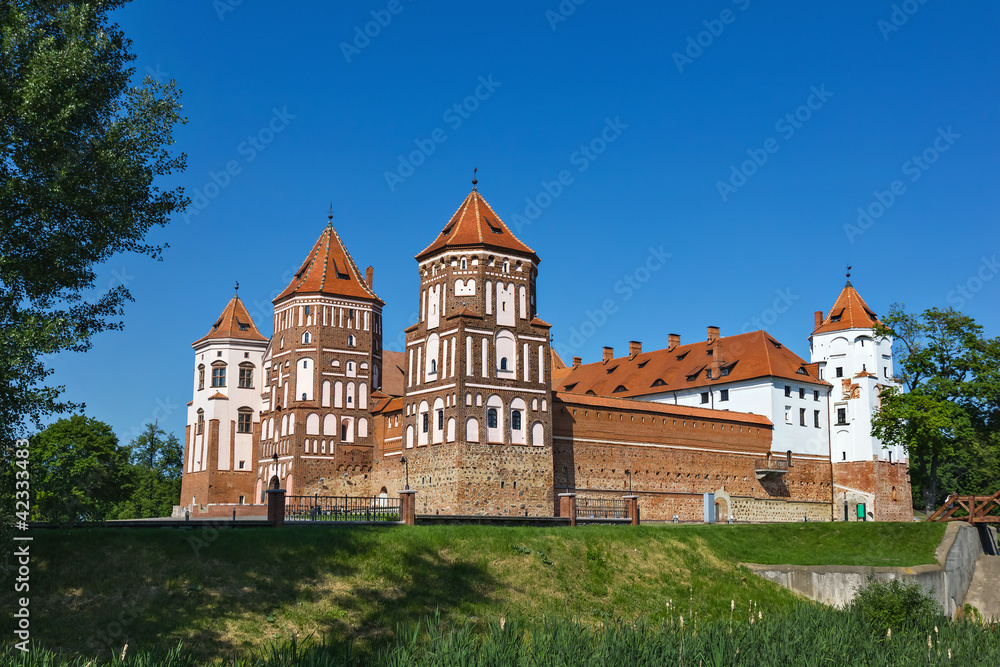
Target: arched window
x=351 y=369
x=246 y=375
x=306 y=338
x=491 y=418
x=463 y=264
x=351 y=340
x=426 y=423
x=515 y=420
x=244 y=420
x=506 y=266
x=201 y=377
x=503 y=363
x=219 y=374
x=434 y=366
x=200 y=428
x=788 y=458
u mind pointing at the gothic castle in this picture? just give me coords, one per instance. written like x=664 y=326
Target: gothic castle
x=491 y=421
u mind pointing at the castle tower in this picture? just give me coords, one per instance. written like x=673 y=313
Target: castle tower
x=223 y=415
x=322 y=363
x=859 y=367
x=477 y=426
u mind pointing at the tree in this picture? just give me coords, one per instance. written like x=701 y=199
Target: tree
x=154 y=475
x=79 y=151
x=77 y=471
x=948 y=416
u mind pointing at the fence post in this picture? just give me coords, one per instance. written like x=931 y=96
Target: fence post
x=633 y=509
x=408 y=507
x=567 y=507
x=276 y=507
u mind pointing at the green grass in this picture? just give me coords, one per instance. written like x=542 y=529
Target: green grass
x=238 y=589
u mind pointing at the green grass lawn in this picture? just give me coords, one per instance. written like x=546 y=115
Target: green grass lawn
x=234 y=589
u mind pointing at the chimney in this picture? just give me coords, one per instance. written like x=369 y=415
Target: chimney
x=818 y=319
x=673 y=340
x=715 y=366
x=368 y=276
x=634 y=348
x=609 y=353
x=713 y=333
x=577 y=361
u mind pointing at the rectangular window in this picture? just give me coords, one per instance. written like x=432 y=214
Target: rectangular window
x=246 y=378
x=244 y=422
x=816 y=394
x=242 y=498
x=704 y=397
x=840 y=371
x=802 y=416
x=242 y=464
x=427 y=422
x=788 y=414
x=788 y=390
x=841 y=416
x=816 y=418
x=723 y=394
x=802 y=392
x=219 y=376
x=440 y=419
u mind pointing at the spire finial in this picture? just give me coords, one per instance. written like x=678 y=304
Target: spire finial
x=474 y=181
x=848 y=275
x=329 y=216
x=237 y=288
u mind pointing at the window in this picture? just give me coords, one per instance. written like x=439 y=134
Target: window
x=844 y=456
x=434 y=366
x=219 y=376
x=244 y=326
x=802 y=392
x=440 y=419
x=802 y=416
x=427 y=422
x=506 y=266
x=816 y=418
x=841 y=416
x=704 y=397
x=350 y=314
x=244 y=422
x=200 y=427
x=515 y=420
x=306 y=338
x=723 y=394
x=503 y=363
x=241 y=467
x=351 y=340
x=201 y=377
x=788 y=458
x=885 y=371
x=242 y=498
x=246 y=377
x=816 y=394
x=840 y=371
x=491 y=418
x=463 y=264
x=788 y=414
x=788 y=390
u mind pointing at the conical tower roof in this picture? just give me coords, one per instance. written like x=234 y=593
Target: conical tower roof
x=329 y=269
x=849 y=312
x=476 y=224
x=234 y=322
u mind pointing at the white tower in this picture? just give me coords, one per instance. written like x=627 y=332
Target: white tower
x=224 y=414
x=859 y=367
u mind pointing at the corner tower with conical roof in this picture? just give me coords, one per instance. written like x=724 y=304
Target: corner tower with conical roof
x=477 y=423
x=870 y=481
x=223 y=416
x=321 y=365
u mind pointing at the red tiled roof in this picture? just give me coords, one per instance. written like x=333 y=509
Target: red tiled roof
x=747 y=356
x=393 y=372
x=386 y=404
x=234 y=322
x=658 y=408
x=329 y=269
x=849 y=312
x=475 y=223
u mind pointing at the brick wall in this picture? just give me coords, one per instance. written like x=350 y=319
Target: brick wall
x=885 y=489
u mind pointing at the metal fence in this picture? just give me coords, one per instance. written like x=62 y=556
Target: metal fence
x=601 y=508
x=341 y=508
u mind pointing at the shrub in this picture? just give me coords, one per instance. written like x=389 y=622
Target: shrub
x=895 y=605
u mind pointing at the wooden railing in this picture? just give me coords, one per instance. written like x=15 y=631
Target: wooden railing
x=601 y=508
x=974 y=509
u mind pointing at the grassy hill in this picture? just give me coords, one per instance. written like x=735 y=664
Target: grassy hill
x=234 y=589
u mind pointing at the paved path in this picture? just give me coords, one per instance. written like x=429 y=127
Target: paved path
x=984 y=591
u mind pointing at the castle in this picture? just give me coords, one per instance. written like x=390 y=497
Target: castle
x=492 y=422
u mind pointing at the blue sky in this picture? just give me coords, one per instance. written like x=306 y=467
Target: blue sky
x=739 y=138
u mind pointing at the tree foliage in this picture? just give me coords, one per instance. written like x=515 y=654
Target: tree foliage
x=80 y=148
x=153 y=475
x=78 y=471
x=948 y=417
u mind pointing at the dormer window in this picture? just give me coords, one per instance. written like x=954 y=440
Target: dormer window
x=620 y=388
x=495 y=230
x=244 y=326
x=658 y=383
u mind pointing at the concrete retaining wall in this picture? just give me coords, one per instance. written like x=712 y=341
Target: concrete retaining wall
x=948 y=580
